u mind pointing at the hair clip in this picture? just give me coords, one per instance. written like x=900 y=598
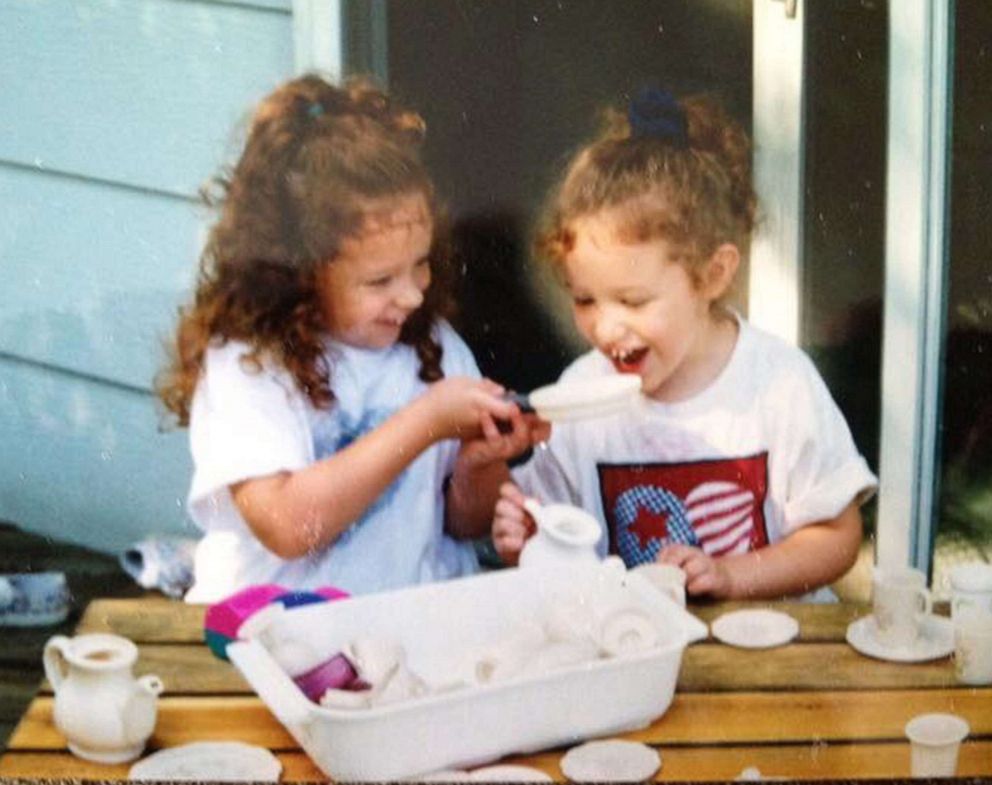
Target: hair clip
x=654 y=113
x=316 y=109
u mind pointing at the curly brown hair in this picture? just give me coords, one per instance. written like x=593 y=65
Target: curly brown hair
x=695 y=197
x=318 y=160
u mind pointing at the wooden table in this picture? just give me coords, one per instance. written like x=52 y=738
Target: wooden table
x=812 y=709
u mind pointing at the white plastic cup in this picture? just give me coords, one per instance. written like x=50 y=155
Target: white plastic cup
x=973 y=646
x=935 y=740
x=666 y=578
x=971 y=587
x=900 y=604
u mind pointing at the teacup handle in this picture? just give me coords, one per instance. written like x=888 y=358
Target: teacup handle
x=927 y=605
x=53 y=659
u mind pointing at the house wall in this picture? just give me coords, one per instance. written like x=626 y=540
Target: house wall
x=112 y=114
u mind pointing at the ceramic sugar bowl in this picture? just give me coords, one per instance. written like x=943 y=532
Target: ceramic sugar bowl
x=565 y=535
x=105 y=713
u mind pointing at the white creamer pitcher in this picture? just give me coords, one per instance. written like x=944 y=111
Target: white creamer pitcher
x=565 y=535
x=105 y=713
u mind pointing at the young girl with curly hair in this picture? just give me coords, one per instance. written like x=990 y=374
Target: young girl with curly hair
x=339 y=429
x=737 y=466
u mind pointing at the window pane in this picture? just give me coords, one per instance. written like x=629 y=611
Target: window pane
x=508 y=89
x=964 y=524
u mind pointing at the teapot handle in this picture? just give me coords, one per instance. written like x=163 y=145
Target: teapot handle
x=53 y=658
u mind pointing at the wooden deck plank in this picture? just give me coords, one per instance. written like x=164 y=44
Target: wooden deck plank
x=820 y=761
x=745 y=718
x=193 y=670
x=708 y=667
x=151 y=619
x=156 y=619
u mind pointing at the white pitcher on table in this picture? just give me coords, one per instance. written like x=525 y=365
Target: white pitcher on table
x=105 y=713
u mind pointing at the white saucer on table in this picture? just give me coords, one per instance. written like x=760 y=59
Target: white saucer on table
x=211 y=761
x=757 y=628
x=936 y=640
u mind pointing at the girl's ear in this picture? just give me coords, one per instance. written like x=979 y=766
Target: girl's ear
x=719 y=271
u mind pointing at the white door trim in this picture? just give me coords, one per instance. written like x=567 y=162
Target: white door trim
x=915 y=253
x=318 y=39
x=774 y=285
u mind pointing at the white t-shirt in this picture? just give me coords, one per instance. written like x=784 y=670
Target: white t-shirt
x=762 y=451
x=245 y=424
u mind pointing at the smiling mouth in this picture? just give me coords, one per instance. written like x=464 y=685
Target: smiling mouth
x=628 y=360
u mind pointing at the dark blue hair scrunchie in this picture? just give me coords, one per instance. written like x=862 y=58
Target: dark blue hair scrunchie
x=654 y=113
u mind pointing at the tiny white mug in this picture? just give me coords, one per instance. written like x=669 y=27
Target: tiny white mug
x=900 y=604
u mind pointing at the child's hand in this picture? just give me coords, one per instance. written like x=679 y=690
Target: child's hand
x=511 y=524
x=520 y=432
x=703 y=574
x=459 y=406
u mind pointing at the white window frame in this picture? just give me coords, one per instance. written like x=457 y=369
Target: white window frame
x=318 y=37
x=920 y=68
x=915 y=242
x=775 y=280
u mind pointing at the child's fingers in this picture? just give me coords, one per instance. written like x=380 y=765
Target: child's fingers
x=677 y=555
x=512 y=493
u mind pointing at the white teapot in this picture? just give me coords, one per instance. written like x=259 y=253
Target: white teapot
x=566 y=535
x=105 y=713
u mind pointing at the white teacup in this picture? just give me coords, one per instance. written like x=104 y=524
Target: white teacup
x=900 y=604
x=973 y=646
x=935 y=740
x=666 y=578
x=971 y=587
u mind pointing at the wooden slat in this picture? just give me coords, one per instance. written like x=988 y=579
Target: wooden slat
x=159 y=620
x=192 y=670
x=821 y=761
x=744 y=718
x=296 y=767
x=156 y=619
x=151 y=619
x=831 y=666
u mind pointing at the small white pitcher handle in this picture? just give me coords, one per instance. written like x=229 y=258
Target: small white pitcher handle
x=53 y=658
x=927 y=598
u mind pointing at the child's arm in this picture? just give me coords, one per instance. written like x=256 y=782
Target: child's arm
x=810 y=557
x=481 y=469
x=299 y=512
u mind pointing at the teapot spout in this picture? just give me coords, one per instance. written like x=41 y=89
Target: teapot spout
x=150 y=686
x=141 y=709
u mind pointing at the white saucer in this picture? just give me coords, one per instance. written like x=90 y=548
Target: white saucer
x=759 y=628
x=610 y=760
x=580 y=399
x=936 y=640
x=508 y=772
x=213 y=761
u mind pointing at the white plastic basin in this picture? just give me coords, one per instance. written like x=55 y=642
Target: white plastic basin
x=436 y=624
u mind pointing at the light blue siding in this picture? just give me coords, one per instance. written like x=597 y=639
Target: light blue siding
x=144 y=92
x=112 y=114
x=97 y=273
x=83 y=461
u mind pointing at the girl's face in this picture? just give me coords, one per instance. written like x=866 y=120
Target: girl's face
x=379 y=278
x=643 y=311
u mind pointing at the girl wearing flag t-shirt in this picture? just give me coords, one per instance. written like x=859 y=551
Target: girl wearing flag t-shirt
x=737 y=466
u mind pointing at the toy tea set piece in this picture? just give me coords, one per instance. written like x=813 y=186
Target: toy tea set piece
x=105 y=713
x=582 y=398
x=901 y=626
x=312 y=671
x=33 y=599
x=566 y=535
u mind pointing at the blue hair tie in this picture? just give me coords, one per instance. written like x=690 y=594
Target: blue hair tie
x=654 y=113
x=316 y=109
